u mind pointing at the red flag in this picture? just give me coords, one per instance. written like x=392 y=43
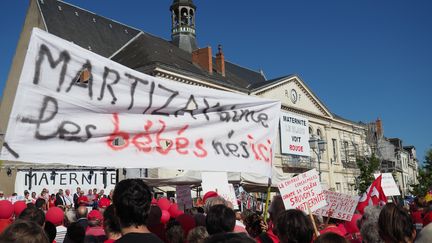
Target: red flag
x=374 y=195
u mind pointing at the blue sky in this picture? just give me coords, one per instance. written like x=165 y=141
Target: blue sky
x=364 y=59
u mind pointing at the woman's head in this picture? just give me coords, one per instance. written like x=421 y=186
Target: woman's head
x=395 y=225
x=294 y=226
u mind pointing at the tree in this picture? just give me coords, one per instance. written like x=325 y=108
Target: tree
x=424 y=177
x=367 y=166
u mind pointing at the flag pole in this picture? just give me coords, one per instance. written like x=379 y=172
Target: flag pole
x=267 y=200
x=313 y=222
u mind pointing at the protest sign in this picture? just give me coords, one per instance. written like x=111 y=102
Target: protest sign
x=70 y=179
x=294 y=134
x=342 y=206
x=303 y=191
x=184 y=197
x=75 y=107
x=388 y=184
x=218 y=182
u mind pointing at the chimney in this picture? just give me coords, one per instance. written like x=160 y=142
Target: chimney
x=220 y=61
x=203 y=58
x=379 y=128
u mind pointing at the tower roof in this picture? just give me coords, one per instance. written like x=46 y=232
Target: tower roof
x=183 y=3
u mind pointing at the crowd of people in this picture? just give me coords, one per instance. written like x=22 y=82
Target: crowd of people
x=131 y=214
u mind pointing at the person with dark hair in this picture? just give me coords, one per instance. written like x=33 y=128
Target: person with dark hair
x=220 y=219
x=24 y=231
x=294 y=226
x=51 y=201
x=395 y=225
x=111 y=225
x=41 y=204
x=330 y=237
x=154 y=222
x=229 y=238
x=174 y=232
x=197 y=235
x=75 y=233
x=275 y=209
x=50 y=231
x=33 y=214
x=253 y=224
x=132 y=200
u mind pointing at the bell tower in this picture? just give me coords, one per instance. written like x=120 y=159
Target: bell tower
x=183 y=25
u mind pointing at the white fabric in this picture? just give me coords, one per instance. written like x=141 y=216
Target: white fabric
x=303 y=192
x=123 y=118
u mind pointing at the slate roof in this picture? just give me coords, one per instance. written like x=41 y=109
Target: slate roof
x=88 y=30
x=134 y=48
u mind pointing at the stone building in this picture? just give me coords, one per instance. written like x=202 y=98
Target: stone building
x=180 y=59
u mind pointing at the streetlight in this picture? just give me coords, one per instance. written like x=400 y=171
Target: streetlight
x=316 y=143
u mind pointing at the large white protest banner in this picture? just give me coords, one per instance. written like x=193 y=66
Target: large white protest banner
x=294 y=134
x=218 y=182
x=388 y=184
x=303 y=192
x=73 y=106
x=342 y=206
x=70 y=179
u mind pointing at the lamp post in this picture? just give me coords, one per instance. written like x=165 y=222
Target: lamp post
x=318 y=146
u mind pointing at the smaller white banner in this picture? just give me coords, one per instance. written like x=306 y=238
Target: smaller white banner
x=184 y=197
x=294 y=134
x=218 y=182
x=303 y=191
x=341 y=205
x=63 y=180
x=388 y=184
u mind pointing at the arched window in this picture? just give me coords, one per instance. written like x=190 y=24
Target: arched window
x=319 y=134
x=192 y=17
x=310 y=132
x=184 y=16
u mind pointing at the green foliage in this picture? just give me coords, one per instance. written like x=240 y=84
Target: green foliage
x=367 y=166
x=424 y=177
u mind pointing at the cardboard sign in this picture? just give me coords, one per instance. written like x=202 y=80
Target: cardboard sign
x=388 y=184
x=184 y=197
x=63 y=180
x=218 y=182
x=294 y=134
x=303 y=191
x=75 y=107
x=341 y=205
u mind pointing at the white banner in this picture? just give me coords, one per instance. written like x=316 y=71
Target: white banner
x=294 y=134
x=218 y=182
x=388 y=184
x=342 y=206
x=63 y=180
x=303 y=191
x=184 y=197
x=75 y=107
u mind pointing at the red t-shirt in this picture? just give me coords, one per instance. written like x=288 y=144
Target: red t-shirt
x=83 y=200
x=4 y=223
x=270 y=234
x=334 y=229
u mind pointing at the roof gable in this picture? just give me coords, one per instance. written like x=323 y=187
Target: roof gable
x=294 y=94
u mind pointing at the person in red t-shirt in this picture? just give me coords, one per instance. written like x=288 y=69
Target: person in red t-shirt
x=83 y=199
x=51 y=201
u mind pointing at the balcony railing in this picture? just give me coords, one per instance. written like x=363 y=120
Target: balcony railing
x=296 y=164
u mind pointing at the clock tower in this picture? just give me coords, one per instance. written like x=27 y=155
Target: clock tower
x=183 y=25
